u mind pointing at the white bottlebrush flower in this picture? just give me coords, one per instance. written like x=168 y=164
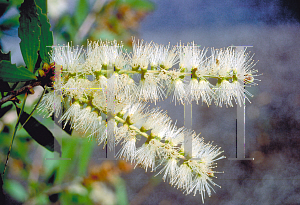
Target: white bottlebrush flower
x=184 y=178
x=140 y=55
x=239 y=93
x=169 y=57
x=155 y=55
x=51 y=103
x=224 y=93
x=135 y=113
x=201 y=90
x=117 y=95
x=102 y=53
x=128 y=150
x=150 y=89
x=243 y=68
x=71 y=114
x=190 y=56
x=179 y=91
x=146 y=154
x=155 y=118
x=70 y=58
x=170 y=170
x=205 y=157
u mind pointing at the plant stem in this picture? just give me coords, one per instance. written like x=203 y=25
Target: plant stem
x=15 y=131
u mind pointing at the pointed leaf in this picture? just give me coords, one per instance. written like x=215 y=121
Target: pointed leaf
x=39 y=133
x=29 y=33
x=4 y=110
x=46 y=38
x=11 y=73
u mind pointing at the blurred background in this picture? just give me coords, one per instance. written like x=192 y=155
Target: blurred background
x=272 y=117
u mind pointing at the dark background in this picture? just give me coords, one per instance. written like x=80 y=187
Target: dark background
x=272 y=117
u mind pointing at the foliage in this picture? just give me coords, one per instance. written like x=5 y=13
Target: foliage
x=25 y=180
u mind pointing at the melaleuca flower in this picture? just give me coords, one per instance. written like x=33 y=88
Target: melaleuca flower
x=128 y=150
x=155 y=55
x=179 y=91
x=201 y=90
x=114 y=93
x=170 y=170
x=169 y=57
x=51 y=104
x=224 y=94
x=146 y=155
x=140 y=55
x=70 y=58
x=190 y=56
x=150 y=88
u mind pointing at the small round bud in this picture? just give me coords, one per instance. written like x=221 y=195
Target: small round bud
x=41 y=73
x=31 y=91
x=46 y=66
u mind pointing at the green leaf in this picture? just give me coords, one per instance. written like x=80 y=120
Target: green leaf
x=42 y=4
x=39 y=133
x=82 y=11
x=141 y=4
x=11 y=73
x=66 y=167
x=15 y=190
x=86 y=151
x=29 y=33
x=46 y=38
x=121 y=193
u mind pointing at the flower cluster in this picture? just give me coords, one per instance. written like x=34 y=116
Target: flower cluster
x=113 y=92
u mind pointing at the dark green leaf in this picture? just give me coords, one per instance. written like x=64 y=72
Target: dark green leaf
x=4 y=110
x=42 y=4
x=11 y=73
x=29 y=33
x=5 y=56
x=40 y=133
x=46 y=38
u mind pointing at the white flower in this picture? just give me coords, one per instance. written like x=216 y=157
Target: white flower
x=71 y=114
x=183 y=178
x=170 y=170
x=169 y=57
x=128 y=149
x=201 y=90
x=224 y=94
x=140 y=55
x=190 y=56
x=145 y=155
x=51 y=103
x=70 y=58
x=179 y=91
x=150 y=88
x=155 y=119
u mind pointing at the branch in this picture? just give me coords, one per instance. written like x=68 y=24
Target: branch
x=12 y=96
